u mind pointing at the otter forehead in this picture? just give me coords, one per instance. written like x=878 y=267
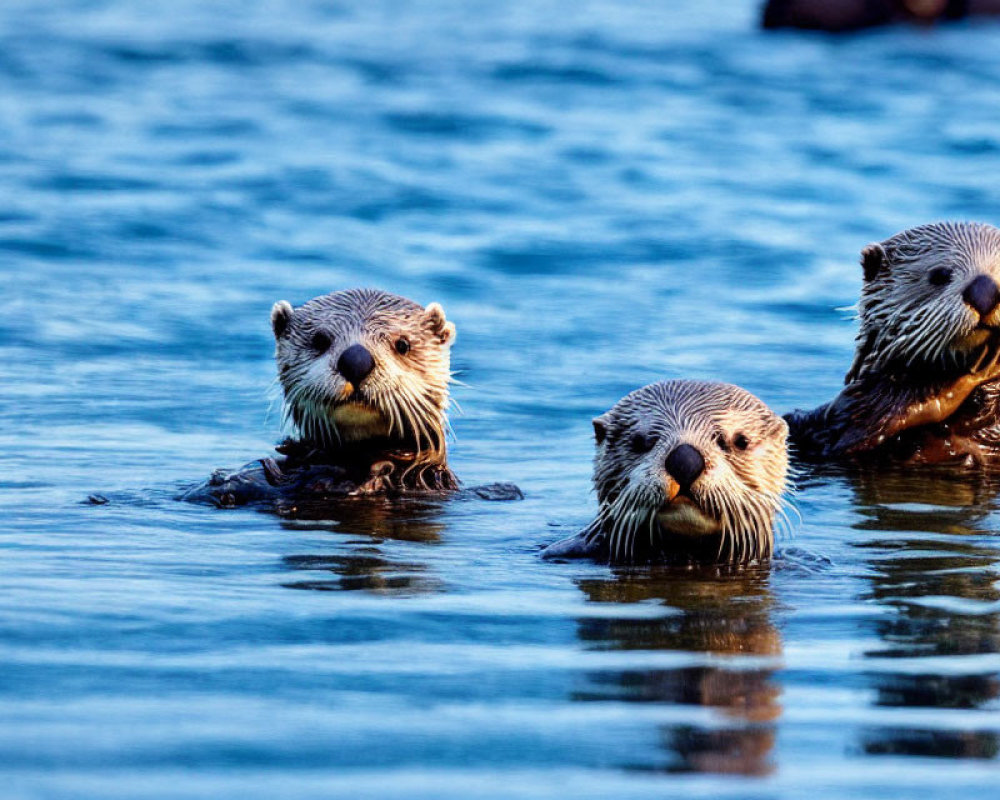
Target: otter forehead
x=685 y=404
x=923 y=264
x=355 y=311
x=973 y=245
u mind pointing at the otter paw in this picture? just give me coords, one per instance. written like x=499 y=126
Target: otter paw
x=498 y=492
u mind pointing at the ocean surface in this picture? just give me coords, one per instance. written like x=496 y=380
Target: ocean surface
x=601 y=195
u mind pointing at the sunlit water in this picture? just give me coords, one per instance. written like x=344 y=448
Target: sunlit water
x=600 y=194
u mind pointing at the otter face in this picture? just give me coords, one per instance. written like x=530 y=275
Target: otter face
x=690 y=459
x=363 y=364
x=930 y=303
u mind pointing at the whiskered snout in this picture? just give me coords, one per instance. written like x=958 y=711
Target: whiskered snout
x=688 y=470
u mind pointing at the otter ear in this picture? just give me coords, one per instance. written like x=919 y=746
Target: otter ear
x=873 y=260
x=781 y=428
x=435 y=321
x=600 y=428
x=281 y=315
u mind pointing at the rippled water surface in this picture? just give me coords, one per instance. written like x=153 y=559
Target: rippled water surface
x=600 y=194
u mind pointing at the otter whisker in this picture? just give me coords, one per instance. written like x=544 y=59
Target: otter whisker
x=646 y=506
x=983 y=352
x=783 y=510
x=620 y=513
x=394 y=420
x=435 y=439
x=628 y=544
x=734 y=529
x=437 y=420
x=420 y=417
x=416 y=425
x=620 y=521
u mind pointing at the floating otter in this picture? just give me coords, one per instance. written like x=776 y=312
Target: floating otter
x=685 y=471
x=365 y=373
x=839 y=16
x=365 y=380
x=923 y=387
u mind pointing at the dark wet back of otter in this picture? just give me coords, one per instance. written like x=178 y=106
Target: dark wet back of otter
x=290 y=485
x=970 y=436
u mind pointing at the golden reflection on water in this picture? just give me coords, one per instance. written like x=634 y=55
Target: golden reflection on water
x=720 y=614
x=931 y=563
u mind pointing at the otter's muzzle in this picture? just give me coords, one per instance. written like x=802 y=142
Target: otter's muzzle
x=684 y=465
x=355 y=364
x=982 y=294
x=681 y=514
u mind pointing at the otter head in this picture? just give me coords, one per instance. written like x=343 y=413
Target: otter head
x=682 y=466
x=930 y=305
x=362 y=364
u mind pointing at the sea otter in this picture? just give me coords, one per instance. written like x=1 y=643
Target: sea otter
x=365 y=376
x=839 y=16
x=685 y=471
x=923 y=387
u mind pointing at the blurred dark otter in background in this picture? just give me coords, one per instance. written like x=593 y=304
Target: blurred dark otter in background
x=851 y=15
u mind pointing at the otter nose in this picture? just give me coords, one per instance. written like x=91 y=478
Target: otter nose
x=355 y=364
x=982 y=294
x=685 y=464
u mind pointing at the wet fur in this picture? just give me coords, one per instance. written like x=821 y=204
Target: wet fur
x=409 y=392
x=406 y=396
x=740 y=490
x=919 y=345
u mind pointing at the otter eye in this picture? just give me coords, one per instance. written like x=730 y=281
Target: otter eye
x=740 y=441
x=720 y=440
x=642 y=442
x=320 y=342
x=402 y=346
x=939 y=276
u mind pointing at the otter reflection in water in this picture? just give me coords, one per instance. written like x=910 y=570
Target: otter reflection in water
x=933 y=565
x=360 y=563
x=724 y=612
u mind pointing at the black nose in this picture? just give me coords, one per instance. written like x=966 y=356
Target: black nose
x=982 y=294
x=355 y=364
x=685 y=464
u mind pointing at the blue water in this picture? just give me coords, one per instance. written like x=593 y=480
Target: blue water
x=600 y=194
